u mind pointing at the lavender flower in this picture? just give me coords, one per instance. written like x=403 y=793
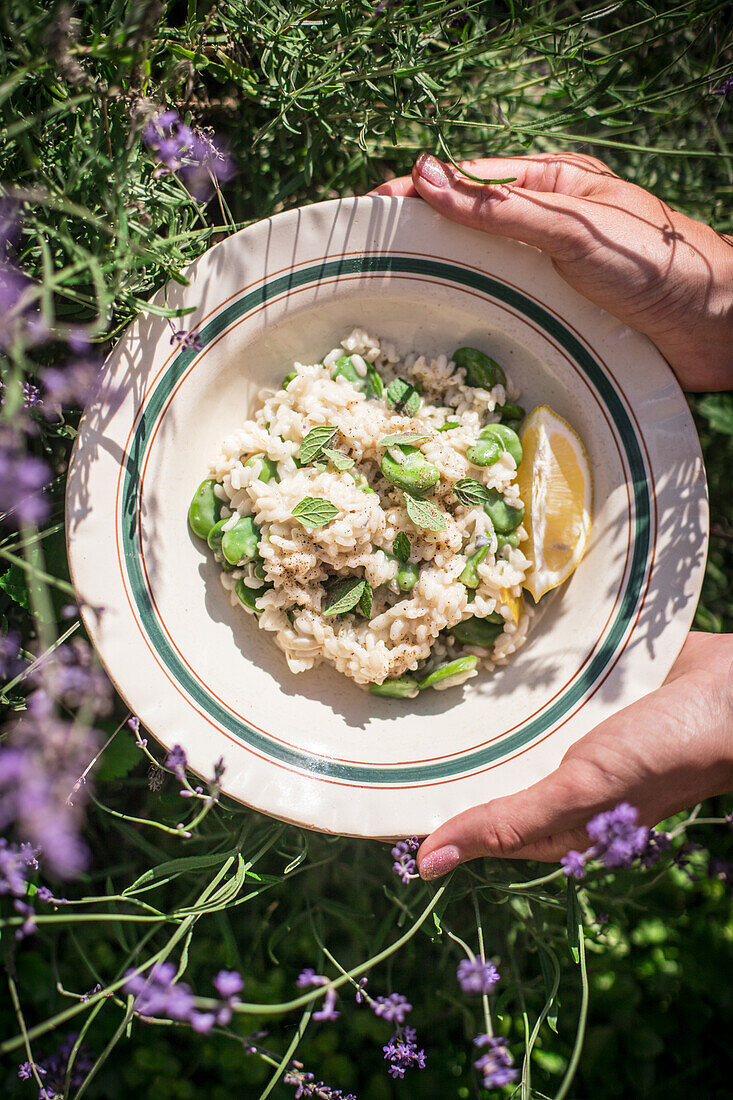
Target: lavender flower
x=22 y=477
x=619 y=838
x=195 y=154
x=496 y=1065
x=31 y=395
x=228 y=984
x=573 y=863
x=157 y=993
x=405 y=866
x=393 y=1008
x=10 y=662
x=657 y=842
x=477 y=976
x=725 y=87
x=327 y=1012
x=71 y=676
x=186 y=339
x=361 y=994
x=308 y=977
x=721 y=869
x=306 y=1085
x=29 y=923
x=402 y=1053
x=13 y=869
x=74 y=384
x=54 y=1068
x=176 y=762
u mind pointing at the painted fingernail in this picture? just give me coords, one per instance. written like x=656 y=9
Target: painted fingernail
x=440 y=862
x=432 y=170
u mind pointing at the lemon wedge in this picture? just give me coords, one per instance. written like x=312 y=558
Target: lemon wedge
x=556 y=487
x=514 y=603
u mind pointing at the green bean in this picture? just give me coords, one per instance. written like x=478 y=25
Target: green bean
x=485 y=452
x=481 y=370
x=269 y=468
x=215 y=536
x=506 y=436
x=449 y=672
x=480 y=632
x=415 y=475
x=204 y=509
x=404 y=688
x=247 y=595
x=370 y=384
x=289 y=378
x=504 y=517
x=469 y=576
x=407 y=576
x=241 y=542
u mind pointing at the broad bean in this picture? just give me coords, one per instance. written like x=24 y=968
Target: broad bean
x=450 y=674
x=480 y=632
x=408 y=575
x=204 y=510
x=215 y=536
x=370 y=384
x=512 y=539
x=481 y=370
x=506 y=437
x=404 y=688
x=247 y=595
x=269 y=468
x=289 y=378
x=415 y=475
x=504 y=517
x=469 y=576
x=241 y=542
x=485 y=452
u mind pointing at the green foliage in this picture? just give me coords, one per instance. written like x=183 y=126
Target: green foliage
x=319 y=100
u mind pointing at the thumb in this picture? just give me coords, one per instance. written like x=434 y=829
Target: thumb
x=517 y=825
x=555 y=223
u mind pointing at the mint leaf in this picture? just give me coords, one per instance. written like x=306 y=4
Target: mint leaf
x=469 y=491
x=365 y=601
x=449 y=424
x=401 y=547
x=424 y=514
x=402 y=397
x=405 y=437
x=315 y=442
x=314 y=511
x=340 y=460
x=344 y=596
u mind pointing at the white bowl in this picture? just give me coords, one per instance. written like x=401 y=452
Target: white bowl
x=315 y=749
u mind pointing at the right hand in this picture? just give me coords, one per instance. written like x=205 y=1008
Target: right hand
x=664 y=274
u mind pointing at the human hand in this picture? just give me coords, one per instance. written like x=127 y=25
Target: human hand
x=663 y=753
x=664 y=274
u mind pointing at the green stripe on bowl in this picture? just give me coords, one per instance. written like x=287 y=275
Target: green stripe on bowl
x=534 y=727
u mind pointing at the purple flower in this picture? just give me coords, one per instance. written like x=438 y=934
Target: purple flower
x=25 y=1071
x=55 y=1066
x=657 y=842
x=13 y=868
x=187 y=339
x=10 y=660
x=196 y=155
x=22 y=477
x=228 y=983
x=157 y=993
x=361 y=994
x=327 y=1011
x=725 y=87
x=573 y=863
x=402 y=1053
x=393 y=1008
x=405 y=866
x=176 y=761
x=477 y=976
x=721 y=869
x=31 y=395
x=134 y=723
x=309 y=977
x=29 y=924
x=71 y=675
x=496 y=1065
x=619 y=838
x=74 y=384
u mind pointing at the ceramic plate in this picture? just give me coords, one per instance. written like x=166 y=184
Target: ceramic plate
x=315 y=749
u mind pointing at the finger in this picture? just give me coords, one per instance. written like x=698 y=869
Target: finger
x=399 y=186
x=556 y=223
x=520 y=825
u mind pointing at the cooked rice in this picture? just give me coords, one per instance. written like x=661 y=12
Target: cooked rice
x=406 y=631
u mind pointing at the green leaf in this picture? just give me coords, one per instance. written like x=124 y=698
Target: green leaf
x=316 y=442
x=424 y=514
x=469 y=491
x=404 y=437
x=164 y=872
x=365 y=601
x=402 y=397
x=401 y=547
x=344 y=596
x=14 y=583
x=340 y=460
x=551 y=975
x=118 y=759
x=717 y=408
x=314 y=511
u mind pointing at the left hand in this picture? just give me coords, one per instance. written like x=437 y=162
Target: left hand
x=664 y=753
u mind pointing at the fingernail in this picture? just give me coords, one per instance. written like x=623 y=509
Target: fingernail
x=432 y=170
x=440 y=862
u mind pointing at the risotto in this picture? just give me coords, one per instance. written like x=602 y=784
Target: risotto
x=368 y=516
